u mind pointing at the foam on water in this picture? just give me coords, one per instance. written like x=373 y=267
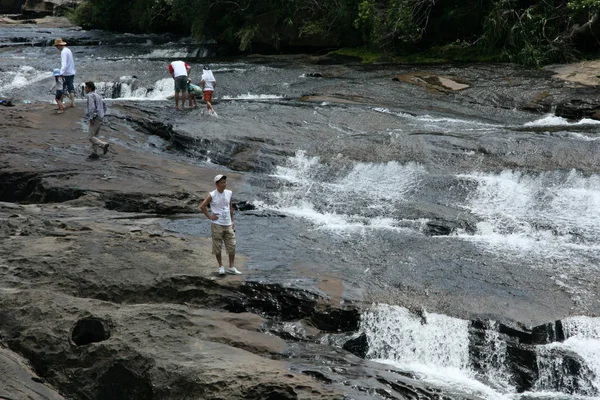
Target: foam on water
x=433 y=346
x=553 y=120
x=548 y=214
x=440 y=124
x=161 y=90
x=556 y=374
x=436 y=348
x=168 y=54
x=24 y=76
x=347 y=200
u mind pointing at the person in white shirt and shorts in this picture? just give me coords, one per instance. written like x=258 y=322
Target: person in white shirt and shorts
x=180 y=72
x=222 y=226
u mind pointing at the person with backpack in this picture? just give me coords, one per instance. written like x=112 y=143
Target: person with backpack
x=95 y=111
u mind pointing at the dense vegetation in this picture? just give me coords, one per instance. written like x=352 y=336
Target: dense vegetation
x=523 y=31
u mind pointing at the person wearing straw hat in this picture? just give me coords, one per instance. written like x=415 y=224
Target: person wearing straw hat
x=222 y=226
x=67 y=67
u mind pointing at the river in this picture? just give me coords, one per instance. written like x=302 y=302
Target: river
x=461 y=204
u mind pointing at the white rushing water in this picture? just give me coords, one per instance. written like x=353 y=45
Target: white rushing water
x=550 y=214
x=436 y=348
x=311 y=192
x=24 y=76
x=553 y=120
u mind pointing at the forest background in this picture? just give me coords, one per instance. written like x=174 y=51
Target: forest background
x=526 y=32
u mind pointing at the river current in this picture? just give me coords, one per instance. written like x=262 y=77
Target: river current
x=459 y=204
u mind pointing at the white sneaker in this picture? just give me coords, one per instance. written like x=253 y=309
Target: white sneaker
x=221 y=270
x=233 y=270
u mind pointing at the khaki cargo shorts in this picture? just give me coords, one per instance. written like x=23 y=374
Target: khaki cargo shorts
x=222 y=233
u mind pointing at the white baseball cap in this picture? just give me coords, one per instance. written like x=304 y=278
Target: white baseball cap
x=219 y=177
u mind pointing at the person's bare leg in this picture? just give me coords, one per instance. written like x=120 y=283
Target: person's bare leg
x=176 y=99
x=184 y=95
x=231 y=260
x=219 y=260
x=72 y=96
x=212 y=110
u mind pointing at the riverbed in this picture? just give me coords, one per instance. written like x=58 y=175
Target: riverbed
x=459 y=203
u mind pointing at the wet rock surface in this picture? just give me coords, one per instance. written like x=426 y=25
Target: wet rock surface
x=106 y=264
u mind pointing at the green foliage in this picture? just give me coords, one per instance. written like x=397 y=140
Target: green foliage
x=523 y=31
x=531 y=35
x=366 y=55
x=581 y=5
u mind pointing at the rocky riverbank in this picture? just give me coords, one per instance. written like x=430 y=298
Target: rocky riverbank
x=100 y=298
x=106 y=304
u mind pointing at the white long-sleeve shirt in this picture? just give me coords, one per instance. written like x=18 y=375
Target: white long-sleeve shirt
x=67 y=64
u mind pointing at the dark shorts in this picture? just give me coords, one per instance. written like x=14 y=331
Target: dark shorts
x=59 y=94
x=181 y=83
x=208 y=95
x=70 y=83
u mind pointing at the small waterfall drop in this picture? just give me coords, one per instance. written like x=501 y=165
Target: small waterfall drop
x=551 y=214
x=344 y=198
x=436 y=348
x=572 y=366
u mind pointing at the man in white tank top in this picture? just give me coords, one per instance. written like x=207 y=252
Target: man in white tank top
x=222 y=227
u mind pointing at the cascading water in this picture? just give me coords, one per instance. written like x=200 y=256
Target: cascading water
x=436 y=348
x=552 y=214
x=572 y=366
x=358 y=197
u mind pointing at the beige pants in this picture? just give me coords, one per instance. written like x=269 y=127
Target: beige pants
x=93 y=133
x=222 y=233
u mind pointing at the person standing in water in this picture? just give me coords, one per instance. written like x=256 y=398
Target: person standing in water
x=180 y=71
x=96 y=109
x=222 y=226
x=67 y=68
x=209 y=84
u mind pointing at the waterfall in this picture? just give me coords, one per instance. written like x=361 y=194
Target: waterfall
x=130 y=88
x=435 y=348
x=394 y=333
x=494 y=360
x=551 y=214
x=572 y=366
x=345 y=197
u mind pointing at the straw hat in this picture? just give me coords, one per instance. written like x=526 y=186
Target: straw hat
x=59 y=42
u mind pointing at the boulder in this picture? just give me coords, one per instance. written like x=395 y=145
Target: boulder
x=576 y=109
x=434 y=82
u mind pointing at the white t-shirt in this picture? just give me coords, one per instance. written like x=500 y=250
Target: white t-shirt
x=67 y=63
x=209 y=80
x=179 y=68
x=219 y=205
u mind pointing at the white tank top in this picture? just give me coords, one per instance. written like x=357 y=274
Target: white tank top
x=219 y=206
